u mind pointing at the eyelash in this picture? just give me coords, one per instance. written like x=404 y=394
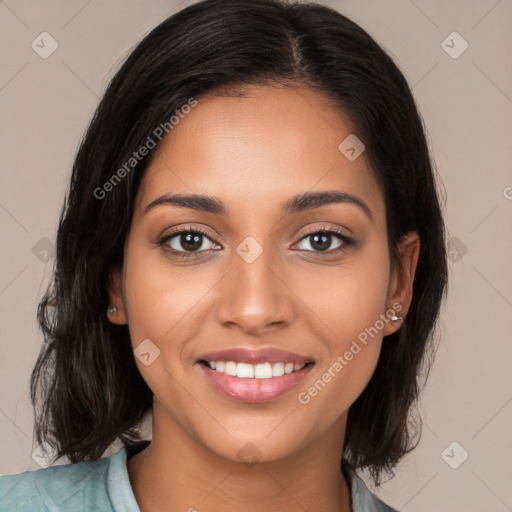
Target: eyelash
x=347 y=241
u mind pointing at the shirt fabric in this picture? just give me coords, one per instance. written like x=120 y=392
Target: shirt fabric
x=104 y=486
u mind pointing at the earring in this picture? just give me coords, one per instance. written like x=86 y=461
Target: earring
x=395 y=318
x=112 y=310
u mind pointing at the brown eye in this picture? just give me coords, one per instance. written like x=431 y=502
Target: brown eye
x=328 y=240
x=187 y=241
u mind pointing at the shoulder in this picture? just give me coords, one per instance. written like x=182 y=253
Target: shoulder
x=81 y=486
x=365 y=501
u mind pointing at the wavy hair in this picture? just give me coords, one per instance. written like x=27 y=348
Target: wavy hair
x=85 y=387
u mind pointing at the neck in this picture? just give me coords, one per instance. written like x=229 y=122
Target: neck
x=176 y=472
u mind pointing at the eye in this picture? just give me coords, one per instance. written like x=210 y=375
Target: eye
x=186 y=242
x=192 y=242
x=321 y=240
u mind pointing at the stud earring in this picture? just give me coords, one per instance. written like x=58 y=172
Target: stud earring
x=112 y=310
x=395 y=318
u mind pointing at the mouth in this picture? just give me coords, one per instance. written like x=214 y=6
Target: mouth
x=265 y=370
x=254 y=377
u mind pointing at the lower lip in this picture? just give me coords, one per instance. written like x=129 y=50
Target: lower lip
x=254 y=390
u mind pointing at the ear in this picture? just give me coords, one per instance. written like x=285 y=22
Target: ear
x=115 y=293
x=402 y=279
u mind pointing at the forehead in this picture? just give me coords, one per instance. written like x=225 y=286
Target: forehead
x=257 y=148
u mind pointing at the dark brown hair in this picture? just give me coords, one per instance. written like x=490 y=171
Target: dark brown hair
x=85 y=386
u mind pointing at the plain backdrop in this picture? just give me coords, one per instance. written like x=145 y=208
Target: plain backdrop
x=465 y=96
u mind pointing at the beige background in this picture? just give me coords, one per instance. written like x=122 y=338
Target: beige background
x=467 y=105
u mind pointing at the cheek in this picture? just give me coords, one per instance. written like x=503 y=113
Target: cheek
x=349 y=304
x=163 y=304
x=349 y=298
x=158 y=294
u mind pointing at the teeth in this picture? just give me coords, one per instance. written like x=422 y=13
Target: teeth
x=244 y=371
x=251 y=371
x=230 y=368
x=277 y=370
x=263 y=371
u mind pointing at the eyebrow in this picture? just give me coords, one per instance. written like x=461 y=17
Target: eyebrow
x=298 y=203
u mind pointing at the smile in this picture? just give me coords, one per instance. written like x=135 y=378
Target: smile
x=254 y=371
x=254 y=376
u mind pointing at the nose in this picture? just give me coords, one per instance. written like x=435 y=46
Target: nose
x=254 y=297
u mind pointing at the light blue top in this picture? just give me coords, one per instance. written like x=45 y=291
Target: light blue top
x=104 y=486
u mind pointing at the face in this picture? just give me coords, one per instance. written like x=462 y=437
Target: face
x=303 y=282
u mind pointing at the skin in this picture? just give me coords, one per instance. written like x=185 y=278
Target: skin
x=248 y=151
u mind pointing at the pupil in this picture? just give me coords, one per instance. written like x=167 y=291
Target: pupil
x=191 y=241
x=321 y=241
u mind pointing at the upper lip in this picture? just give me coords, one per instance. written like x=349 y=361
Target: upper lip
x=268 y=355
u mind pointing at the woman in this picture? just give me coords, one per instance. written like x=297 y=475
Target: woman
x=251 y=249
